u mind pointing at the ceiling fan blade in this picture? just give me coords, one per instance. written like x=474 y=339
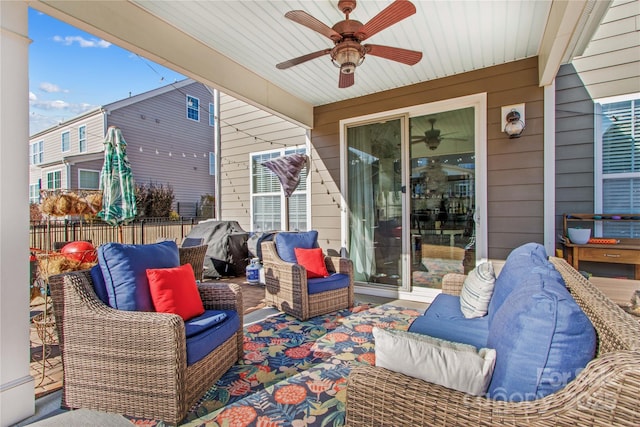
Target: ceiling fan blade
x=301 y=59
x=346 y=80
x=405 y=56
x=395 y=12
x=303 y=18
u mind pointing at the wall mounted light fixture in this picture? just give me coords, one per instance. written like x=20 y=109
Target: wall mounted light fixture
x=513 y=120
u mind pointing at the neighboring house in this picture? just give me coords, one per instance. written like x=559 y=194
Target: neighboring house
x=170 y=135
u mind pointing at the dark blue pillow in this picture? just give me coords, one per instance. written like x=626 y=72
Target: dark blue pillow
x=542 y=339
x=124 y=268
x=287 y=241
x=99 y=286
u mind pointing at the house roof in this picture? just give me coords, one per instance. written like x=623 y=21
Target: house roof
x=107 y=108
x=234 y=46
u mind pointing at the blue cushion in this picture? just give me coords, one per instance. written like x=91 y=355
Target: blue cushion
x=124 y=268
x=519 y=264
x=443 y=319
x=542 y=339
x=330 y=283
x=203 y=343
x=99 y=286
x=286 y=242
x=197 y=324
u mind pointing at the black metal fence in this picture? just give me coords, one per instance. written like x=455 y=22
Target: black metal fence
x=44 y=234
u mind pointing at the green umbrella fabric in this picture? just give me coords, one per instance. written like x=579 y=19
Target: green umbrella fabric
x=116 y=181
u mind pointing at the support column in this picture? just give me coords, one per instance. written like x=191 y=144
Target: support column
x=17 y=400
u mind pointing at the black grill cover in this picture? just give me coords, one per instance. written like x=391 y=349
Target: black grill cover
x=227 y=253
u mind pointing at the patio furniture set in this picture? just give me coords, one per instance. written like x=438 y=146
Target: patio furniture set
x=122 y=354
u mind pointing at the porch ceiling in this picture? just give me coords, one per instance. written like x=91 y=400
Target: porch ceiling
x=235 y=45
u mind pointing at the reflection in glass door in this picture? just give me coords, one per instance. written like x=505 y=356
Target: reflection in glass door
x=442 y=195
x=375 y=200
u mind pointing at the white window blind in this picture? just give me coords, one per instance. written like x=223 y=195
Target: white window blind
x=36 y=152
x=620 y=165
x=268 y=198
x=34 y=193
x=88 y=179
x=65 y=143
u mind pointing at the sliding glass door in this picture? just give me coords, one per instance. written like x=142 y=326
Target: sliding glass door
x=442 y=197
x=414 y=194
x=375 y=201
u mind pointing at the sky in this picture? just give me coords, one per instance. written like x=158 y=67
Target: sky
x=71 y=72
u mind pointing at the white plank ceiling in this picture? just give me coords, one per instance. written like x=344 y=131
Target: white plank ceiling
x=454 y=36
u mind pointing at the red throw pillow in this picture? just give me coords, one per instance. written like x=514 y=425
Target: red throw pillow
x=174 y=290
x=313 y=261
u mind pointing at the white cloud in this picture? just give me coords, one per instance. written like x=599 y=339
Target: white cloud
x=32 y=96
x=49 y=105
x=82 y=42
x=51 y=88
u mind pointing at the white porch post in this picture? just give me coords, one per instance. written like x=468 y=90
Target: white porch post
x=16 y=385
x=550 y=168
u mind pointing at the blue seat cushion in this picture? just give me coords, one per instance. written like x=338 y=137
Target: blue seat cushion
x=443 y=319
x=204 y=342
x=286 y=242
x=518 y=265
x=329 y=283
x=99 y=286
x=542 y=339
x=124 y=268
x=197 y=324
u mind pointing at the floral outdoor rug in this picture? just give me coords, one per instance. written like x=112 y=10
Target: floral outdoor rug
x=294 y=373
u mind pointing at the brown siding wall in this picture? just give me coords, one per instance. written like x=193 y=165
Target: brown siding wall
x=574 y=145
x=515 y=167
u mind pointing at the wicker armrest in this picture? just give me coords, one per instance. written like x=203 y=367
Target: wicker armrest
x=221 y=296
x=339 y=264
x=606 y=388
x=452 y=283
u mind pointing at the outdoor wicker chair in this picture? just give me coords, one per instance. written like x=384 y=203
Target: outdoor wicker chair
x=286 y=286
x=133 y=362
x=605 y=393
x=194 y=255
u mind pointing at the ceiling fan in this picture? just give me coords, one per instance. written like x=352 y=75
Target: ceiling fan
x=348 y=51
x=432 y=137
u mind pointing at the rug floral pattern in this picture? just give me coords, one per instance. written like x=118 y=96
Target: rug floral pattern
x=294 y=373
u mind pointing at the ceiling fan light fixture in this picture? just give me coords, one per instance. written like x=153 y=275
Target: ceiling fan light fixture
x=347 y=56
x=433 y=143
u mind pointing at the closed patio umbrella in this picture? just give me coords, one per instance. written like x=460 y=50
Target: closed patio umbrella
x=116 y=182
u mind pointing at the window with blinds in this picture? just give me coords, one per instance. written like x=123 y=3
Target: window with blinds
x=267 y=197
x=620 y=156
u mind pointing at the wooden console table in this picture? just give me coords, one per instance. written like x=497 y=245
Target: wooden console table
x=627 y=251
x=621 y=253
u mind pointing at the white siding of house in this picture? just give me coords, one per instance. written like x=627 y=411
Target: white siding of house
x=53 y=137
x=247 y=129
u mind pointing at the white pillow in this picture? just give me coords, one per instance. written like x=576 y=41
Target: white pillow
x=477 y=290
x=453 y=365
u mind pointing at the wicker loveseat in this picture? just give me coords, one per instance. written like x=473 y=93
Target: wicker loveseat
x=135 y=362
x=604 y=393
